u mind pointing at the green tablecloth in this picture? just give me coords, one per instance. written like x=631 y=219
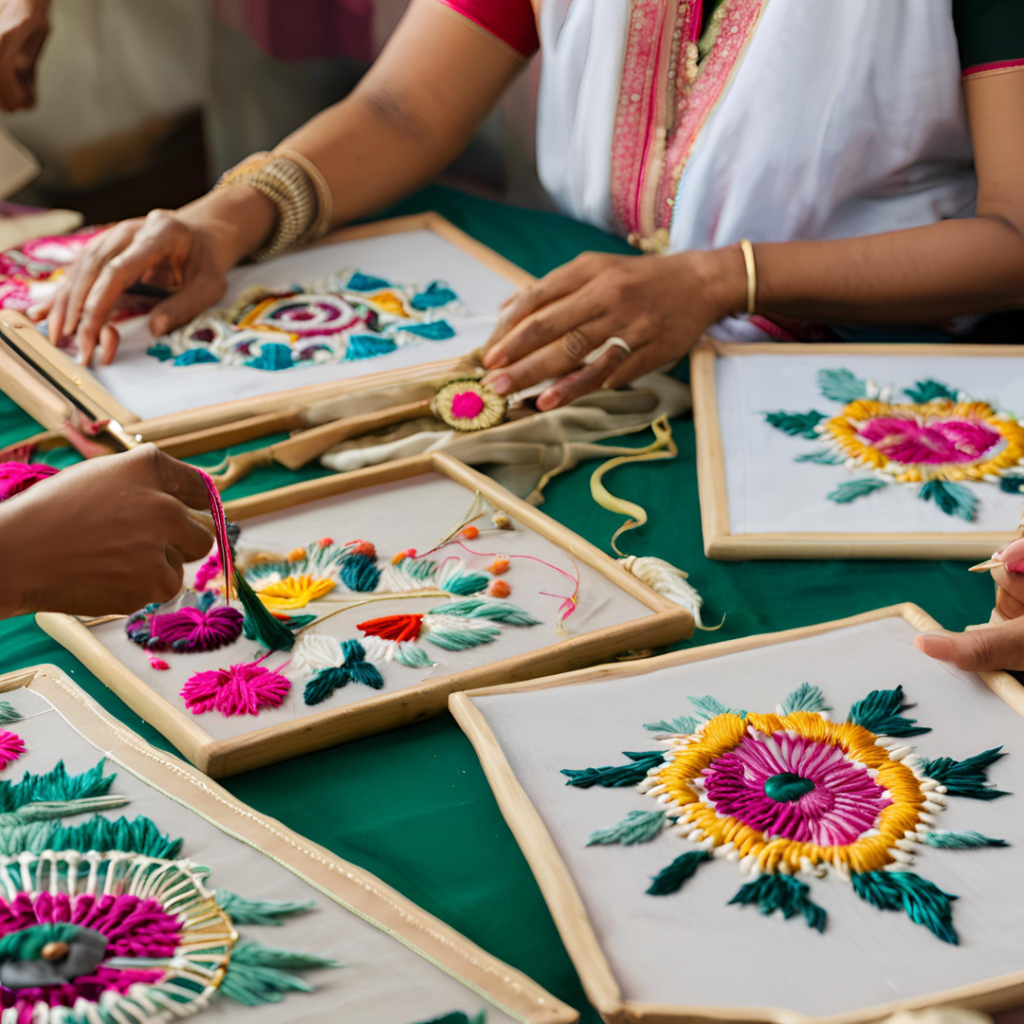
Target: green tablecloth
x=413 y=805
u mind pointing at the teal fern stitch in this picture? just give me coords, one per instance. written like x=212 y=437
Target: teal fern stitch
x=616 y=775
x=256 y=974
x=929 y=390
x=498 y=611
x=823 y=458
x=8 y=714
x=636 y=827
x=796 y=424
x=265 y=912
x=959 y=840
x=841 y=386
x=922 y=901
x=672 y=878
x=954 y=499
x=881 y=712
x=968 y=777
x=683 y=725
x=805 y=698
x=851 y=490
x=785 y=894
x=54 y=785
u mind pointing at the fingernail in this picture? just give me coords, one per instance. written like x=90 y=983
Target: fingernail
x=501 y=385
x=935 y=646
x=548 y=400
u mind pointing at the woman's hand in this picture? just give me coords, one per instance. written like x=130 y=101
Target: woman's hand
x=108 y=535
x=996 y=646
x=189 y=250
x=24 y=26
x=658 y=305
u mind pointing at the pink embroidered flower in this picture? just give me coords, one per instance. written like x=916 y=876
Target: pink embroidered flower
x=195 y=629
x=244 y=689
x=12 y=746
x=16 y=477
x=910 y=442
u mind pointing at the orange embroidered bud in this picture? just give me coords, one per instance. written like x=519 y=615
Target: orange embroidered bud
x=325 y=542
x=401 y=556
x=469 y=532
x=297 y=555
x=498 y=588
x=501 y=521
x=362 y=547
x=498 y=566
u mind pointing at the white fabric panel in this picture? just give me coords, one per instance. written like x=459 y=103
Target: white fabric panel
x=690 y=948
x=381 y=980
x=151 y=388
x=394 y=517
x=769 y=492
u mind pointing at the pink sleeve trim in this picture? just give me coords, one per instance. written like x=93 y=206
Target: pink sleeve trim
x=996 y=67
x=511 y=21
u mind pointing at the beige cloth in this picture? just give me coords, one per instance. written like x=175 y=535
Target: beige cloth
x=524 y=453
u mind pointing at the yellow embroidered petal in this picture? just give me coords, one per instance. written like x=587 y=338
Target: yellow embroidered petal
x=293 y=592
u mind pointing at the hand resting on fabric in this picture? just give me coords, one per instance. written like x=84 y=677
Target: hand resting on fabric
x=102 y=537
x=999 y=645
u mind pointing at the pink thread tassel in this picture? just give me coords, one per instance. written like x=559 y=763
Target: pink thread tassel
x=220 y=528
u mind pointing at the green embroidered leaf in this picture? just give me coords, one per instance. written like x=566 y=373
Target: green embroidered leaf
x=684 y=725
x=968 y=777
x=31 y=838
x=50 y=810
x=841 y=385
x=785 y=894
x=796 y=424
x=959 y=840
x=805 y=698
x=462 y=586
x=922 y=901
x=54 y=785
x=851 y=490
x=954 y=499
x=822 y=458
x=881 y=712
x=616 y=776
x=1011 y=484
x=672 y=878
x=498 y=611
x=928 y=390
x=360 y=574
x=413 y=656
x=268 y=912
x=459 y=635
x=258 y=975
x=636 y=827
x=709 y=707
x=138 y=836
x=7 y=713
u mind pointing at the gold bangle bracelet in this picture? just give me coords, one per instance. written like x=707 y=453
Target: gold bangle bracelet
x=751 y=264
x=324 y=200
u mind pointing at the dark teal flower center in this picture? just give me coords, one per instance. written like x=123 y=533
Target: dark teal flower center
x=786 y=787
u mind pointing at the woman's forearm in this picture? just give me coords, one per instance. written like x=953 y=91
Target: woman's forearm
x=411 y=115
x=921 y=275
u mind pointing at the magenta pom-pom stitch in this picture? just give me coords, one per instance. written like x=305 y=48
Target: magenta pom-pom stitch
x=16 y=477
x=244 y=689
x=12 y=746
x=193 y=629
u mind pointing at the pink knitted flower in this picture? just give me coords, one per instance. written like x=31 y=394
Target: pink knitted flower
x=16 y=477
x=12 y=746
x=240 y=690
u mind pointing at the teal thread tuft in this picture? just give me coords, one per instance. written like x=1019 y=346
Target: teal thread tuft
x=952 y=498
x=194 y=356
x=437 y=293
x=366 y=346
x=160 y=351
x=616 y=775
x=841 y=386
x=461 y=638
x=805 y=698
x=259 y=624
x=138 y=836
x=851 y=490
x=684 y=725
x=709 y=707
x=968 y=777
x=959 y=840
x=413 y=656
x=636 y=827
x=465 y=585
x=256 y=974
x=796 y=424
x=922 y=901
x=672 y=878
x=360 y=282
x=267 y=912
x=785 y=894
x=8 y=714
x=436 y=330
x=359 y=573
x=273 y=356
x=54 y=785
x=880 y=711
x=785 y=787
x=928 y=390
x=323 y=685
x=497 y=611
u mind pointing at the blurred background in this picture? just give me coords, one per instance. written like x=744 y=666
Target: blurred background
x=144 y=104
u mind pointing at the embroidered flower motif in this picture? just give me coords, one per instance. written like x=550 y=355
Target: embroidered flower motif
x=794 y=793
x=941 y=439
x=294 y=592
x=12 y=746
x=244 y=689
x=192 y=627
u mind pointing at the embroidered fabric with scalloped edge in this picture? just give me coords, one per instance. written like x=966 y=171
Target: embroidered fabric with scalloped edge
x=793 y=793
x=244 y=689
x=347 y=316
x=941 y=441
x=139 y=936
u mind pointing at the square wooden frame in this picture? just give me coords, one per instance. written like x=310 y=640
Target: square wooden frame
x=388 y=710
x=47 y=383
x=353 y=888
x=721 y=543
x=564 y=900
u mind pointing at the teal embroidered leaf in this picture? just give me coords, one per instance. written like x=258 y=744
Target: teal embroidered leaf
x=498 y=611
x=922 y=901
x=796 y=424
x=359 y=573
x=138 y=836
x=266 y=912
x=8 y=714
x=928 y=390
x=822 y=458
x=672 y=878
x=841 y=385
x=1011 y=484
x=413 y=656
x=463 y=586
x=952 y=498
x=54 y=785
x=968 y=777
x=684 y=725
x=785 y=894
x=461 y=636
x=324 y=683
x=881 y=712
x=941 y=840
x=616 y=776
x=851 y=490
x=805 y=698
x=709 y=707
x=636 y=827
x=258 y=975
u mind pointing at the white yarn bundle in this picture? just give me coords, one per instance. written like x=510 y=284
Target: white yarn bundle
x=665 y=579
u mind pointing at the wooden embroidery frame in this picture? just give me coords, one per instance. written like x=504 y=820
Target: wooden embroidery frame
x=56 y=391
x=346 y=884
x=566 y=903
x=387 y=710
x=721 y=543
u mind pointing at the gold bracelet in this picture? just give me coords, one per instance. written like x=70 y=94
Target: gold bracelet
x=751 y=264
x=324 y=200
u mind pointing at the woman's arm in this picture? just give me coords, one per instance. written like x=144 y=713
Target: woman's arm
x=412 y=113
x=659 y=305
